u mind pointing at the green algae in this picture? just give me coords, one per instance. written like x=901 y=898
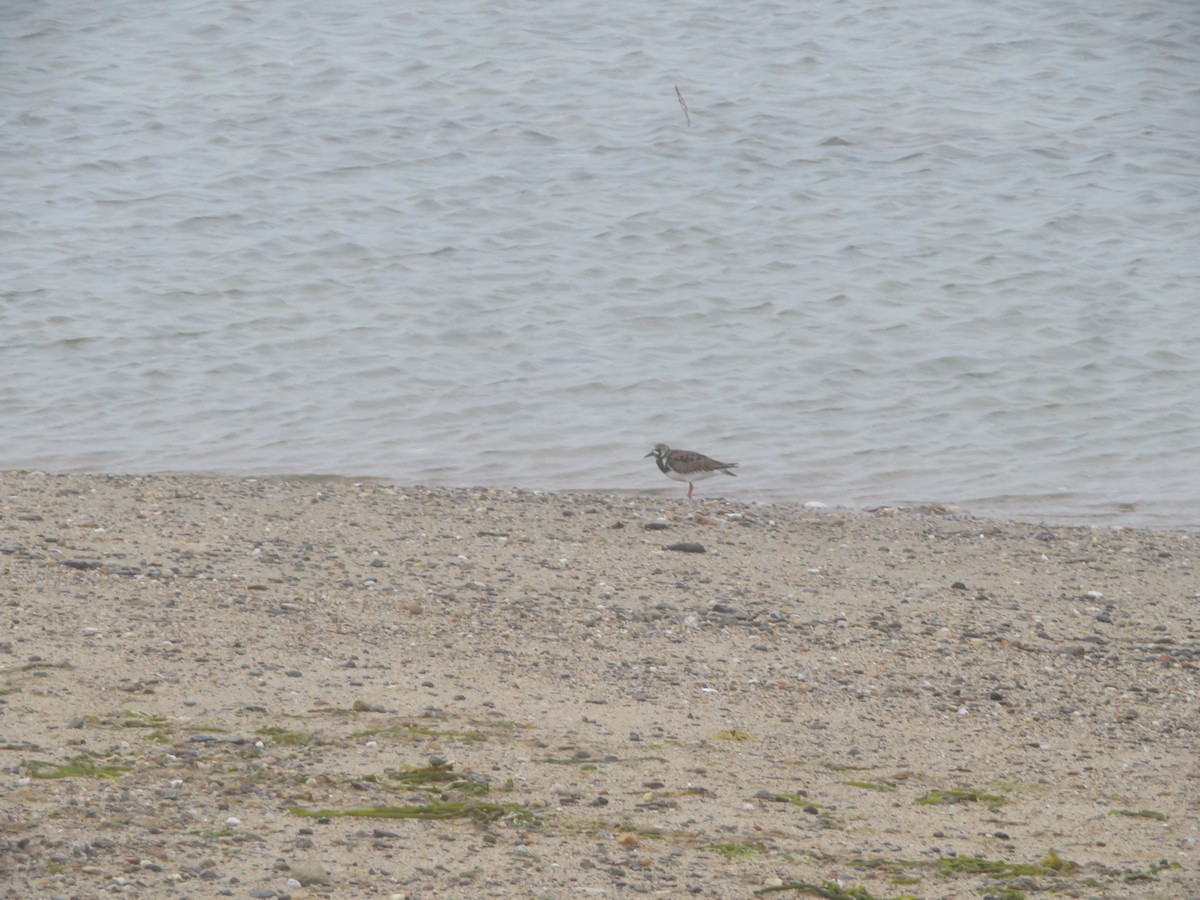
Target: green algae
x=830 y=890
x=438 y=778
x=732 y=734
x=77 y=767
x=285 y=736
x=871 y=786
x=959 y=795
x=483 y=812
x=737 y=852
x=1053 y=864
x=1150 y=874
x=418 y=732
x=1139 y=814
x=130 y=719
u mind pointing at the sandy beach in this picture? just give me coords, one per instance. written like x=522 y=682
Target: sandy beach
x=297 y=688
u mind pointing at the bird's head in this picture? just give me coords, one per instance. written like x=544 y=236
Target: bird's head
x=659 y=451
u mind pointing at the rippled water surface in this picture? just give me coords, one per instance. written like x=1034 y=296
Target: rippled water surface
x=941 y=251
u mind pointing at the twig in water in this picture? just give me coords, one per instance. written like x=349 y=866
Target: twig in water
x=683 y=106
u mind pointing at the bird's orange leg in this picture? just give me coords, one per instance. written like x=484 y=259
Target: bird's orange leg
x=689 y=490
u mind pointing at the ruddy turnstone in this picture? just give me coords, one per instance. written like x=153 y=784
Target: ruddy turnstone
x=685 y=465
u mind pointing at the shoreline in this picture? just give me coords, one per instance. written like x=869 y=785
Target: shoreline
x=207 y=682
x=981 y=509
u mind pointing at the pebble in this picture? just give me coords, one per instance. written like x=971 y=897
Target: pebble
x=81 y=563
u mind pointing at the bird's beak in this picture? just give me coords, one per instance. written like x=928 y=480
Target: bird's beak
x=651 y=453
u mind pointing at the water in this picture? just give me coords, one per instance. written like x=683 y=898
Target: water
x=943 y=251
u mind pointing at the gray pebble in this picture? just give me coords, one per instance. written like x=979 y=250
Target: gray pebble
x=81 y=563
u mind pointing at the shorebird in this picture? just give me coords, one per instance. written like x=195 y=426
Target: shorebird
x=686 y=465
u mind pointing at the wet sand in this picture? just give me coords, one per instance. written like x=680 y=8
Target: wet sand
x=289 y=687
